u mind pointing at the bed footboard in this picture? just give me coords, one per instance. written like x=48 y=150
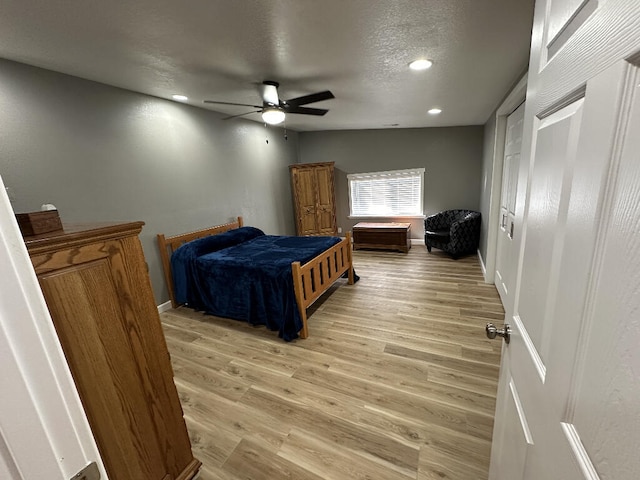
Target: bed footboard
x=314 y=277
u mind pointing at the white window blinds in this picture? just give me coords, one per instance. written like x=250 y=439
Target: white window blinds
x=386 y=194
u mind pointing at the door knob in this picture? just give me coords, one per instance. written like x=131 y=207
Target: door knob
x=493 y=331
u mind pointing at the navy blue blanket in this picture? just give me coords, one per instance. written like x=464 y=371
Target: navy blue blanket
x=246 y=275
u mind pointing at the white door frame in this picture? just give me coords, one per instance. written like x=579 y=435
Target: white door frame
x=44 y=432
x=513 y=100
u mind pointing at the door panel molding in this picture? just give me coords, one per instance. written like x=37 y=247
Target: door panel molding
x=571 y=26
x=610 y=34
x=534 y=356
x=524 y=424
x=583 y=417
x=556 y=138
x=579 y=452
x=565 y=101
x=624 y=106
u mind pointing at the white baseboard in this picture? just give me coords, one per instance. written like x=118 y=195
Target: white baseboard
x=484 y=269
x=417 y=241
x=163 y=307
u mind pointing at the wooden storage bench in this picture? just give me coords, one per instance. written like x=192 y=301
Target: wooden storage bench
x=383 y=236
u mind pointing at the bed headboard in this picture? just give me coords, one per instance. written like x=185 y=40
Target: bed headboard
x=169 y=244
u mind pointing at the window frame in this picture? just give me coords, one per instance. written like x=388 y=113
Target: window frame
x=417 y=172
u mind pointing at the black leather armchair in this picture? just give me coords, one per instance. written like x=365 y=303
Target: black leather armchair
x=456 y=232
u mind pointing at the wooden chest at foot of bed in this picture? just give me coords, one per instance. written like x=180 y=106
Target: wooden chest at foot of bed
x=382 y=236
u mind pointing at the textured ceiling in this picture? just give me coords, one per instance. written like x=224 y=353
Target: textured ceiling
x=223 y=50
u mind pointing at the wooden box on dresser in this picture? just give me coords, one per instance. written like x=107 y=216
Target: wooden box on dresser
x=314 y=201
x=95 y=282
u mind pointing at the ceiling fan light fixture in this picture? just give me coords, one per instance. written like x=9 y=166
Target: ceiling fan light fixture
x=421 y=64
x=273 y=116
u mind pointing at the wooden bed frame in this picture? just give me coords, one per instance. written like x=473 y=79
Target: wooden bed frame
x=310 y=280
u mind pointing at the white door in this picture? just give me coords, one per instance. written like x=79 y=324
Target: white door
x=506 y=251
x=569 y=394
x=44 y=432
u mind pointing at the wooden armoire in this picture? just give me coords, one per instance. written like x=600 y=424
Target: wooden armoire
x=95 y=282
x=313 y=189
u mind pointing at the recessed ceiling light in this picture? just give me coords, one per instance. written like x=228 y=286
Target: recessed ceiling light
x=180 y=98
x=421 y=64
x=434 y=111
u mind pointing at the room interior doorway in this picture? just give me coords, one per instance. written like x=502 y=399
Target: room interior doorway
x=514 y=99
x=569 y=380
x=506 y=248
x=44 y=432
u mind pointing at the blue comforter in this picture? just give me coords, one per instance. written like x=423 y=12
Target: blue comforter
x=246 y=275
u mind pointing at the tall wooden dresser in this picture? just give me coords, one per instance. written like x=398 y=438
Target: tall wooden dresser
x=95 y=282
x=313 y=189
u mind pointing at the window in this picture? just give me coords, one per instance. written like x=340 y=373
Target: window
x=386 y=194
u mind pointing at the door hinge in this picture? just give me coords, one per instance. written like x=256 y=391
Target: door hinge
x=90 y=472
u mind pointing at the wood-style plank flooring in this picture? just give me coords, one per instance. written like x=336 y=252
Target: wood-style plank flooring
x=397 y=379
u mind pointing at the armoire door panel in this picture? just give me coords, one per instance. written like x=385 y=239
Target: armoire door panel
x=307 y=225
x=326 y=222
x=151 y=352
x=314 y=198
x=326 y=201
x=95 y=281
x=305 y=193
x=67 y=258
x=93 y=333
x=324 y=179
x=306 y=189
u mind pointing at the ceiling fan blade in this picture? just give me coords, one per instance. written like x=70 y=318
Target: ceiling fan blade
x=305 y=110
x=241 y=115
x=236 y=104
x=312 y=98
x=270 y=92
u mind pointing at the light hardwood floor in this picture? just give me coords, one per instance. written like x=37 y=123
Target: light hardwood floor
x=396 y=380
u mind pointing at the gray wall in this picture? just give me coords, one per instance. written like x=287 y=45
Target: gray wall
x=104 y=154
x=452 y=157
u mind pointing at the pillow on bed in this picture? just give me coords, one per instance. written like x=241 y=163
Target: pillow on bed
x=213 y=243
x=183 y=257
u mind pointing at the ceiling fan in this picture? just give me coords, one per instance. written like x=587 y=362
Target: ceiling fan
x=274 y=110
